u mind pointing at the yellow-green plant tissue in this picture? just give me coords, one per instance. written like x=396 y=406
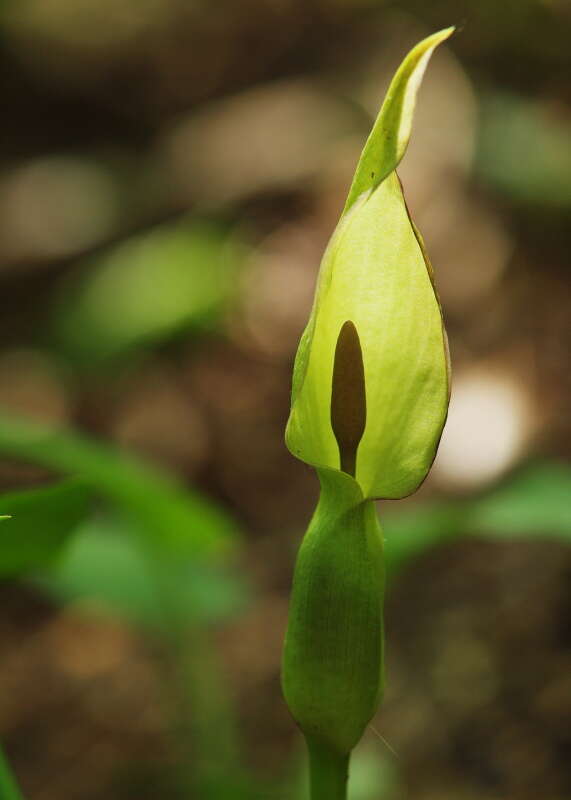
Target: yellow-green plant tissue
x=375 y=274
x=369 y=401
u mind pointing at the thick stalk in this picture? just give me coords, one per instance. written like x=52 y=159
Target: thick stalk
x=328 y=772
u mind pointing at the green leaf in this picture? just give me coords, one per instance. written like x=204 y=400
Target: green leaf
x=178 y=532
x=147 y=289
x=410 y=532
x=41 y=523
x=524 y=151
x=106 y=565
x=171 y=521
x=376 y=278
x=533 y=504
x=9 y=789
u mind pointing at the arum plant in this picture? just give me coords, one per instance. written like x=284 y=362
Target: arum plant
x=369 y=401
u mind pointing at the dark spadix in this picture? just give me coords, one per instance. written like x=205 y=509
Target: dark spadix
x=348 y=396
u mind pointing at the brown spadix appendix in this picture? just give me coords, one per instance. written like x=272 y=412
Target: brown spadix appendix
x=369 y=401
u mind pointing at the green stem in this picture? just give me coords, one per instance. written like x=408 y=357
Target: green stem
x=328 y=772
x=8 y=787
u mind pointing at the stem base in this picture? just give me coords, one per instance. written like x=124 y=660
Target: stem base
x=328 y=772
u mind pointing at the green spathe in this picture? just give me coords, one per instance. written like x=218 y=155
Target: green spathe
x=375 y=274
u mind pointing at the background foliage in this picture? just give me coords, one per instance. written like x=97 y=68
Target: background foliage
x=171 y=172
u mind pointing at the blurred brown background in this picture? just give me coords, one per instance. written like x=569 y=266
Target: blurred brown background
x=171 y=171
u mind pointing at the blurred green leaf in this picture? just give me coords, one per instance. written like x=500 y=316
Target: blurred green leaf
x=374 y=775
x=534 y=503
x=524 y=151
x=172 y=521
x=147 y=289
x=42 y=521
x=412 y=531
x=176 y=534
x=9 y=789
x=106 y=564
